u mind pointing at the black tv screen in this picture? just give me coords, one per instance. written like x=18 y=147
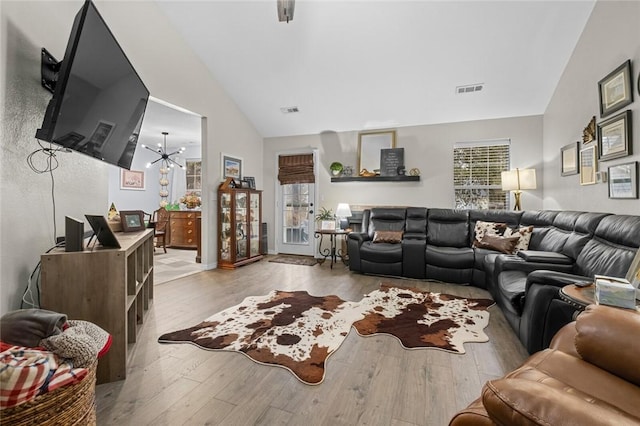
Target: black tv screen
x=99 y=100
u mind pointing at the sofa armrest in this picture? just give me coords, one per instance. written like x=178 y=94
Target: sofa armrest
x=554 y=278
x=354 y=242
x=524 y=402
x=605 y=337
x=517 y=263
x=536 y=256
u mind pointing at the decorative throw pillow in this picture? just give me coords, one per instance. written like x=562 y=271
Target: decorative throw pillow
x=505 y=245
x=392 y=237
x=524 y=233
x=491 y=228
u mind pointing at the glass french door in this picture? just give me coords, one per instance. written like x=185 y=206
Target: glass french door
x=297 y=215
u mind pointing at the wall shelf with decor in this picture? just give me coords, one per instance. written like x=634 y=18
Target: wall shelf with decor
x=405 y=178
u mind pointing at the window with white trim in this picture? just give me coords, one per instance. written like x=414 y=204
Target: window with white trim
x=476 y=174
x=194 y=175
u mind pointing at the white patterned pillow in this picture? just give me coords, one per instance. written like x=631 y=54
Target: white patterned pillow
x=525 y=236
x=487 y=228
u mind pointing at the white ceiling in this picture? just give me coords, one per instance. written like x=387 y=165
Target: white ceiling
x=355 y=65
x=183 y=126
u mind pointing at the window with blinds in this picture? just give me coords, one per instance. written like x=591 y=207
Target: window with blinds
x=194 y=175
x=476 y=174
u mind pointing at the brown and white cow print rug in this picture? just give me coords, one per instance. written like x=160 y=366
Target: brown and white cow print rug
x=298 y=331
x=421 y=319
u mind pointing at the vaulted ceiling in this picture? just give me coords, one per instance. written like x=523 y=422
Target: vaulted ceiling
x=356 y=65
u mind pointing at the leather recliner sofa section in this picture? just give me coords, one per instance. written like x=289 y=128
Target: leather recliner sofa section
x=565 y=246
x=589 y=376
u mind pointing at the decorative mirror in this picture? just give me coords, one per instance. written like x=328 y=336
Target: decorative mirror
x=369 y=146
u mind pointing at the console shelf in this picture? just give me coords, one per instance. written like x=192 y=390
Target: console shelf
x=405 y=178
x=112 y=288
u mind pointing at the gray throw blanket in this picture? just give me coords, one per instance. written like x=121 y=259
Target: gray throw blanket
x=26 y=327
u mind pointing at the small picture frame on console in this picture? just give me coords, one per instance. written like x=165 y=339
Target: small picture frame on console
x=132 y=220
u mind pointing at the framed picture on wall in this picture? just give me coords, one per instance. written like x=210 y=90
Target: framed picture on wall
x=623 y=180
x=231 y=166
x=588 y=165
x=569 y=159
x=616 y=89
x=614 y=136
x=132 y=179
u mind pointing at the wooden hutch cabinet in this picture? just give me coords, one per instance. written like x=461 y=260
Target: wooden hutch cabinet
x=239 y=230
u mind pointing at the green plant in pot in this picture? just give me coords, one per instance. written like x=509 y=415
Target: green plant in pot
x=325 y=214
x=336 y=168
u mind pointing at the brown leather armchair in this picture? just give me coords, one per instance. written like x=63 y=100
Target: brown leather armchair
x=590 y=375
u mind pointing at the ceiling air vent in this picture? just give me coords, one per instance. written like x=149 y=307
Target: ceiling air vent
x=289 y=110
x=469 y=88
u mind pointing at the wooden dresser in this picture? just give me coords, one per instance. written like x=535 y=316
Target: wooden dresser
x=182 y=229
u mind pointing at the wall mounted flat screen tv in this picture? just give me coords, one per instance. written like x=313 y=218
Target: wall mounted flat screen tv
x=99 y=100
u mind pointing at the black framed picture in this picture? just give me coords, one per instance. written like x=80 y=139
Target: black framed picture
x=251 y=182
x=614 y=136
x=616 y=89
x=623 y=180
x=569 y=164
x=132 y=220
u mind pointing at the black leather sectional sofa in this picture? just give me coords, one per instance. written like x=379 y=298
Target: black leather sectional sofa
x=565 y=247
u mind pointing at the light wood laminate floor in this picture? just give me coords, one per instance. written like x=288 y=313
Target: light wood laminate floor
x=369 y=381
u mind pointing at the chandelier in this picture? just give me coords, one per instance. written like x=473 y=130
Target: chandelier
x=165 y=157
x=166 y=163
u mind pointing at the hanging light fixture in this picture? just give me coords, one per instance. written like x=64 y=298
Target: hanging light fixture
x=166 y=163
x=285 y=10
x=165 y=157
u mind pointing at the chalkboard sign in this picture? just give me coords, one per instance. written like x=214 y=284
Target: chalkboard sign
x=390 y=160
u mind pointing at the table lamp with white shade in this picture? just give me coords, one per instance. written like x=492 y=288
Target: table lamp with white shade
x=517 y=180
x=342 y=213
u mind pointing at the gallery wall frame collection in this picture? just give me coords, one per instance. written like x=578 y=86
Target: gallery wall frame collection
x=613 y=136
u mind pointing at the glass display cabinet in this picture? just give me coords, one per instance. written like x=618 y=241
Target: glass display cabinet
x=240 y=215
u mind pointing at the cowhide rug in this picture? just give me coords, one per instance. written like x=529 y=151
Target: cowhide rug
x=421 y=319
x=298 y=331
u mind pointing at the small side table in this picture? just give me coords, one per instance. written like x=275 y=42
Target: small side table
x=332 y=252
x=578 y=297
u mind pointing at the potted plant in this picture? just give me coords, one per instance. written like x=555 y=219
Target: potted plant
x=336 y=168
x=326 y=218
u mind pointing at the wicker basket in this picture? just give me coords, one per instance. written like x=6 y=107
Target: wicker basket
x=68 y=405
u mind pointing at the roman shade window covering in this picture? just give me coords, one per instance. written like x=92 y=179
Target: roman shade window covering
x=295 y=169
x=477 y=168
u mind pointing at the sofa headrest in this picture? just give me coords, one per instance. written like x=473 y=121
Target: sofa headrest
x=416 y=213
x=448 y=215
x=566 y=220
x=388 y=213
x=588 y=222
x=511 y=218
x=620 y=229
x=538 y=218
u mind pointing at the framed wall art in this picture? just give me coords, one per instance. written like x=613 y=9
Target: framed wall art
x=588 y=165
x=132 y=179
x=623 y=180
x=569 y=159
x=614 y=136
x=369 y=146
x=616 y=89
x=231 y=166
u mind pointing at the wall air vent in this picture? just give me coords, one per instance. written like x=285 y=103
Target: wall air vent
x=469 y=88
x=289 y=110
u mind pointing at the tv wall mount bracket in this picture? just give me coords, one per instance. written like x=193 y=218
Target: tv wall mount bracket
x=49 y=69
